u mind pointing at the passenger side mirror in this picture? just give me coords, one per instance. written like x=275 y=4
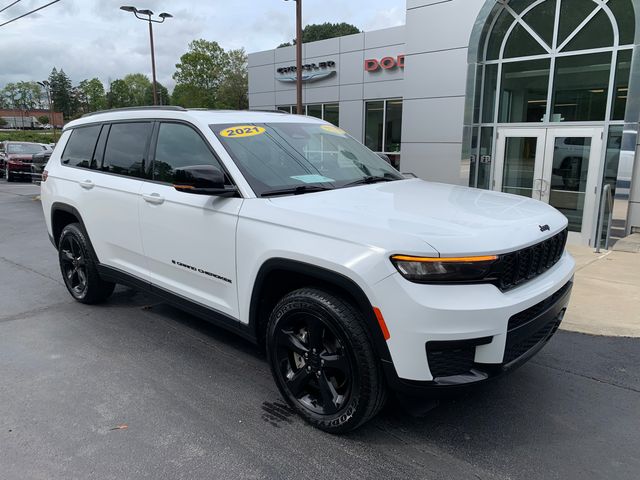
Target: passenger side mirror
x=202 y=180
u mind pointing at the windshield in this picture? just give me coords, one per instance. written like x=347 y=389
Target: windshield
x=24 y=148
x=280 y=156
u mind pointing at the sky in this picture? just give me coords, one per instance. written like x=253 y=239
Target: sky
x=94 y=38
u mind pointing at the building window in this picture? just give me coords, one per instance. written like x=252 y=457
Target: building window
x=383 y=128
x=548 y=62
x=329 y=112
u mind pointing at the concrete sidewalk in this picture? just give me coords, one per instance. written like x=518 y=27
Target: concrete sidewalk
x=606 y=293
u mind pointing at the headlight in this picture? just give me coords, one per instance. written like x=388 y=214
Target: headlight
x=434 y=270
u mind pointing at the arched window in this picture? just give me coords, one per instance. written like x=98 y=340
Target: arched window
x=550 y=62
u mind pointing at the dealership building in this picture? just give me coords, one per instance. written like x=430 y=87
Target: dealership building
x=532 y=97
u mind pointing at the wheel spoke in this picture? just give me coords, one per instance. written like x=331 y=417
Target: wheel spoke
x=335 y=361
x=298 y=381
x=315 y=330
x=289 y=340
x=67 y=256
x=329 y=395
x=82 y=277
x=70 y=273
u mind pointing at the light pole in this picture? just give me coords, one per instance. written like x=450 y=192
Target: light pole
x=149 y=14
x=47 y=88
x=298 y=56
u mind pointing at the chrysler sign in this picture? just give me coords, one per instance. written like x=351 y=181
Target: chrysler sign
x=311 y=72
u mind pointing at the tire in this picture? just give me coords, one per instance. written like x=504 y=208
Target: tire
x=323 y=361
x=8 y=176
x=78 y=266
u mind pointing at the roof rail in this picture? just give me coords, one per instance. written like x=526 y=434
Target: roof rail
x=133 y=109
x=269 y=111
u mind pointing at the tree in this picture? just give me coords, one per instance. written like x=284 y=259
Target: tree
x=323 y=31
x=3 y=122
x=137 y=84
x=163 y=95
x=233 y=91
x=62 y=93
x=92 y=95
x=200 y=72
x=22 y=95
x=118 y=95
x=43 y=119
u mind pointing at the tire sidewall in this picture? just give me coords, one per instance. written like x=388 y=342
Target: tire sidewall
x=350 y=415
x=75 y=232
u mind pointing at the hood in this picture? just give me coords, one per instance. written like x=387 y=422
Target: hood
x=20 y=157
x=415 y=217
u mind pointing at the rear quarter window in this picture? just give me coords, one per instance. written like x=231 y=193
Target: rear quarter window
x=81 y=146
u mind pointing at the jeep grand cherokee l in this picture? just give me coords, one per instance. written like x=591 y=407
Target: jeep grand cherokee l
x=286 y=230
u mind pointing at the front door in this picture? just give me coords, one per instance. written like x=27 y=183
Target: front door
x=558 y=166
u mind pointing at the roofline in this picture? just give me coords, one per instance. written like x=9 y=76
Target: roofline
x=129 y=109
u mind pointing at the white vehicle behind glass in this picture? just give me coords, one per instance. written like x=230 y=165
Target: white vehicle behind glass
x=291 y=233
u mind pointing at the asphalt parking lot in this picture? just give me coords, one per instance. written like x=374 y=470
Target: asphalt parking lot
x=137 y=389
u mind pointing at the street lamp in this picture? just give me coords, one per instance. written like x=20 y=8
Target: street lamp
x=47 y=88
x=298 y=56
x=140 y=15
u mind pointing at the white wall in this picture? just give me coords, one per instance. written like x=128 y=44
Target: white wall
x=437 y=34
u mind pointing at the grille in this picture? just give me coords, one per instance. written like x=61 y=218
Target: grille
x=446 y=361
x=531 y=313
x=515 y=268
x=516 y=350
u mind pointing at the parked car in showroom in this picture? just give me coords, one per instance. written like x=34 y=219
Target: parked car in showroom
x=289 y=232
x=16 y=158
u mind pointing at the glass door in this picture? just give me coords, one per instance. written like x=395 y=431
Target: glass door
x=558 y=166
x=570 y=176
x=520 y=157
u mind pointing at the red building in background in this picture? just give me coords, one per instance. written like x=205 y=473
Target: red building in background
x=57 y=120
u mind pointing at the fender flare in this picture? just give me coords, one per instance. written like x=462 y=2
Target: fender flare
x=326 y=276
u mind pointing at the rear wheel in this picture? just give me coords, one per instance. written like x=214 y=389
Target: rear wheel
x=78 y=267
x=8 y=175
x=323 y=362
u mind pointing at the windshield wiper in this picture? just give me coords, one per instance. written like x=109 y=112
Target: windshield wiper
x=368 y=180
x=299 y=190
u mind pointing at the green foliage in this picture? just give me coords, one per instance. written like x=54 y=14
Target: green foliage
x=137 y=84
x=3 y=122
x=163 y=95
x=91 y=95
x=43 y=119
x=21 y=95
x=323 y=31
x=209 y=77
x=28 y=136
x=62 y=93
x=118 y=95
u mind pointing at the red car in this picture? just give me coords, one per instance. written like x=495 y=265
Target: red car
x=16 y=158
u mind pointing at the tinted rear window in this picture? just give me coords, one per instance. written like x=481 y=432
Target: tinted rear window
x=126 y=149
x=80 y=147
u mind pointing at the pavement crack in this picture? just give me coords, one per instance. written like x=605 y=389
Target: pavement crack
x=28 y=313
x=588 y=377
x=30 y=270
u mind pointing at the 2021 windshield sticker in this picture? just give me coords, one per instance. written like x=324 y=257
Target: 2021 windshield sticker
x=334 y=130
x=242 y=131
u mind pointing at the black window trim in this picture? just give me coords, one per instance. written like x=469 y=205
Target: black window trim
x=93 y=153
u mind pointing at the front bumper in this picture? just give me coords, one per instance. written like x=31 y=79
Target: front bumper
x=457 y=335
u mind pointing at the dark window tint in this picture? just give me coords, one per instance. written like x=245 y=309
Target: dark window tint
x=80 y=148
x=126 y=147
x=179 y=146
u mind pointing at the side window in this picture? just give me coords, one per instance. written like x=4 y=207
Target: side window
x=126 y=148
x=80 y=147
x=180 y=146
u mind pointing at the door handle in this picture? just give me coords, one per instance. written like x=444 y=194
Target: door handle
x=153 y=198
x=87 y=184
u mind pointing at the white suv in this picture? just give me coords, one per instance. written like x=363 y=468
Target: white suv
x=289 y=232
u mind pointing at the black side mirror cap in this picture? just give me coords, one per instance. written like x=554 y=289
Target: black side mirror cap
x=203 y=180
x=228 y=191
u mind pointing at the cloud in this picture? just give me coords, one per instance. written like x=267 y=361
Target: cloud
x=94 y=38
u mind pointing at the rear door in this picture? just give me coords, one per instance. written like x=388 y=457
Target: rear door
x=110 y=189
x=189 y=239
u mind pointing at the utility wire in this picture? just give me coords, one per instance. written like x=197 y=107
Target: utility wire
x=28 y=13
x=10 y=5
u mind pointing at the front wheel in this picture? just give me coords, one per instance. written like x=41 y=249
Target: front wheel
x=78 y=267
x=323 y=362
x=8 y=175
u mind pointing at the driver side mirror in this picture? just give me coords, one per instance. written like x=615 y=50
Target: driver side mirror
x=202 y=180
x=385 y=158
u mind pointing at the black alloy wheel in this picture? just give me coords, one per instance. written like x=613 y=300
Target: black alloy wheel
x=78 y=266
x=323 y=361
x=313 y=363
x=74 y=266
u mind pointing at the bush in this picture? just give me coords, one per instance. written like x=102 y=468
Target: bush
x=28 y=136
